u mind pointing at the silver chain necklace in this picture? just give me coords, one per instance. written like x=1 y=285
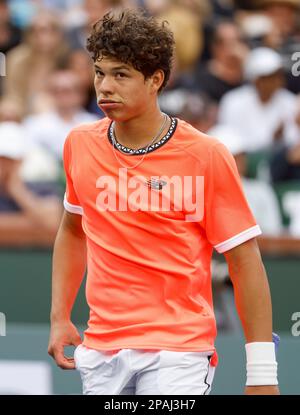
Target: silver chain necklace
x=114 y=142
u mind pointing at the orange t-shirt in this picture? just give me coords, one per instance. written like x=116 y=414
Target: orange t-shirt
x=150 y=234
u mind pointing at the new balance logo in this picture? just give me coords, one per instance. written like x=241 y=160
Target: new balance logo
x=156 y=184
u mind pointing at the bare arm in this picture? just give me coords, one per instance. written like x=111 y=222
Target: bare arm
x=38 y=219
x=17 y=229
x=251 y=291
x=42 y=212
x=69 y=264
x=252 y=297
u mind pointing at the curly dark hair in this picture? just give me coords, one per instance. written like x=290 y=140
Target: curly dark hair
x=133 y=38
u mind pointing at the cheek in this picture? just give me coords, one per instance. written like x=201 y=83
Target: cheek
x=140 y=92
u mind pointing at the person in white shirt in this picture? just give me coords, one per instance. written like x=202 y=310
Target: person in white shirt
x=262 y=111
x=260 y=195
x=49 y=129
x=28 y=216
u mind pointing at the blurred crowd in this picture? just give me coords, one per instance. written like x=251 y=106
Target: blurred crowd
x=236 y=76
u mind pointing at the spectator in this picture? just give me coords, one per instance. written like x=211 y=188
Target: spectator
x=199 y=111
x=81 y=63
x=260 y=195
x=25 y=217
x=50 y=129
x=258 y=29
x=224 y=71
x=155 y=7
x=285 y=160
x=284 y=15
x=223 y=8
x=263 y=111
x=275 y=24
x=186 y=21
x=37 y=164
x=92 y=10
x=44 y=47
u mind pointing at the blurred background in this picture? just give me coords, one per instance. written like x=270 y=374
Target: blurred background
x=236 y=76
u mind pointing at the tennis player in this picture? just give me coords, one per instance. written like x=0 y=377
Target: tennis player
x=147 y=200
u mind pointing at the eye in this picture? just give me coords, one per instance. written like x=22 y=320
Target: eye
x=120 y=75
x=98 y=73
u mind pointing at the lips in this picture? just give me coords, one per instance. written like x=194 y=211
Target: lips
x=107 y=104
x=107 y=101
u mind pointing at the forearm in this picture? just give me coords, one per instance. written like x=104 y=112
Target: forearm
x=69 y=265
x=16 y=229
x=34 y=207
x=253 y=303
x=252 y=295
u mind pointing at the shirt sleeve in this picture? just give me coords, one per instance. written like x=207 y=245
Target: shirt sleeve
x=228 y=220
x=71 y=201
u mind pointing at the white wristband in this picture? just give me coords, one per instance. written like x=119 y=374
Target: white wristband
x=261 y=364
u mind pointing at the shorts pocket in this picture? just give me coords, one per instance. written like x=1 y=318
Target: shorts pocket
x=182 y=373
x=169 y=358
x=87 y=360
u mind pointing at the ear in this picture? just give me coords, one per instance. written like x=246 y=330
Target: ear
x=157 y=80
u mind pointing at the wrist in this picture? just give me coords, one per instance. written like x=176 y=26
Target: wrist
x=59 y=317
x=261 y=364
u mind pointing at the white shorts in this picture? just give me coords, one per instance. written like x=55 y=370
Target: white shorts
x=142 y=372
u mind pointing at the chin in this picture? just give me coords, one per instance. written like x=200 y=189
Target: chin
x=118 y=117
x=114 y=115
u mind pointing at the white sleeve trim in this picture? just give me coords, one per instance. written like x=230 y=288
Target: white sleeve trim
x=72 y=208
x=238 y=239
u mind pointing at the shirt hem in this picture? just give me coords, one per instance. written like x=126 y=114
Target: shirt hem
x=72 y=208
x=96 y=346
x=238 y=239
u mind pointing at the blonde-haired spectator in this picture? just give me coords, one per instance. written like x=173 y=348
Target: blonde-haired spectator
x=29 y=64
x=186 y=19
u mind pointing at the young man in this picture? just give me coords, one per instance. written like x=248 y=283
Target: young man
x=147 y=199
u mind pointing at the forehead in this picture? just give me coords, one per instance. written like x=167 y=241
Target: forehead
x=111 y=63
x=227 y=31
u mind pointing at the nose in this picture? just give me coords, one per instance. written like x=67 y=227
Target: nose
x=105 y=85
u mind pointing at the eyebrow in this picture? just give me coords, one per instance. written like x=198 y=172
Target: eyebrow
x=116 y=68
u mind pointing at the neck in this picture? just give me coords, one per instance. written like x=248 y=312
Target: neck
x=139 y=131
x=265 y=97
